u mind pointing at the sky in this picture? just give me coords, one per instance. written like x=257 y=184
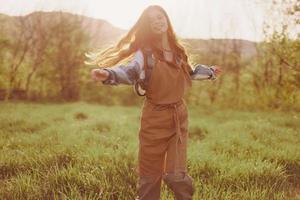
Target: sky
x=242 y=19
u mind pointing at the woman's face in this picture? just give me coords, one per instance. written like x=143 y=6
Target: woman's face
x=158 y=21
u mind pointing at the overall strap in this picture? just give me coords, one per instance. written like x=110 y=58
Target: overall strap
x=141 y=84
x=148 y=65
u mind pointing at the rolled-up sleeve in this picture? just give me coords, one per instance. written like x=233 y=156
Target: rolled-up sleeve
x=126 y=74
x=200 y=72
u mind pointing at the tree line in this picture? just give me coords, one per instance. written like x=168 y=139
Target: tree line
x=42 y=59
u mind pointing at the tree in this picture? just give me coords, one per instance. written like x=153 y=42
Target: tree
x=66 y=54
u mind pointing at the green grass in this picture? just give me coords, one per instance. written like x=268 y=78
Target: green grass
x=85 y=151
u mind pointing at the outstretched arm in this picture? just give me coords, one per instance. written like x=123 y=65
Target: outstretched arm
x=125 y=74
x=203 y=72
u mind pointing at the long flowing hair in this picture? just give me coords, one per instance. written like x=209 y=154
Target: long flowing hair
x=139 y=37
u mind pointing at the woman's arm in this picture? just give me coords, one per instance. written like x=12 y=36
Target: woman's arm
x=203 y=72
x=126 y=74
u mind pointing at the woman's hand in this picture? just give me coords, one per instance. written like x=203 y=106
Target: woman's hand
x=217 y=70
x=99 y=74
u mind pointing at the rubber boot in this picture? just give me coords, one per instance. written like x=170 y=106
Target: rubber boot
x=148 y=188
x=181 y=185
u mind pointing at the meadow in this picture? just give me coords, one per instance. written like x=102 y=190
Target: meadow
x=88 y=151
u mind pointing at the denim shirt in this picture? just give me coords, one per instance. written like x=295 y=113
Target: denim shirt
x=130 y=73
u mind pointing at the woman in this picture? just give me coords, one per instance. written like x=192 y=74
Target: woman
x=163 y=132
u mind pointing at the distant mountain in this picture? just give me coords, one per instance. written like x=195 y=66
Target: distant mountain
x=102 y=33
x=246 y=48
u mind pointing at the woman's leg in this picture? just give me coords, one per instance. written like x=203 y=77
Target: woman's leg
x=181 y=184
x=149 y=187
x=150 y=168
x=154 y=134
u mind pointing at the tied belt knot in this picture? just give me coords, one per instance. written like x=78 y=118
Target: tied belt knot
x=178 y=134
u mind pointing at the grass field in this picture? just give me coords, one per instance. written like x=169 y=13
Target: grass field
x=86 y=151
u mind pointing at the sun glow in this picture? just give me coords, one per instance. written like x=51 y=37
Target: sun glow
x=190 y=18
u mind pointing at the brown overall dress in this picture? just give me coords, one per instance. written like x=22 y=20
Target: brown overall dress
x=163 y=133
